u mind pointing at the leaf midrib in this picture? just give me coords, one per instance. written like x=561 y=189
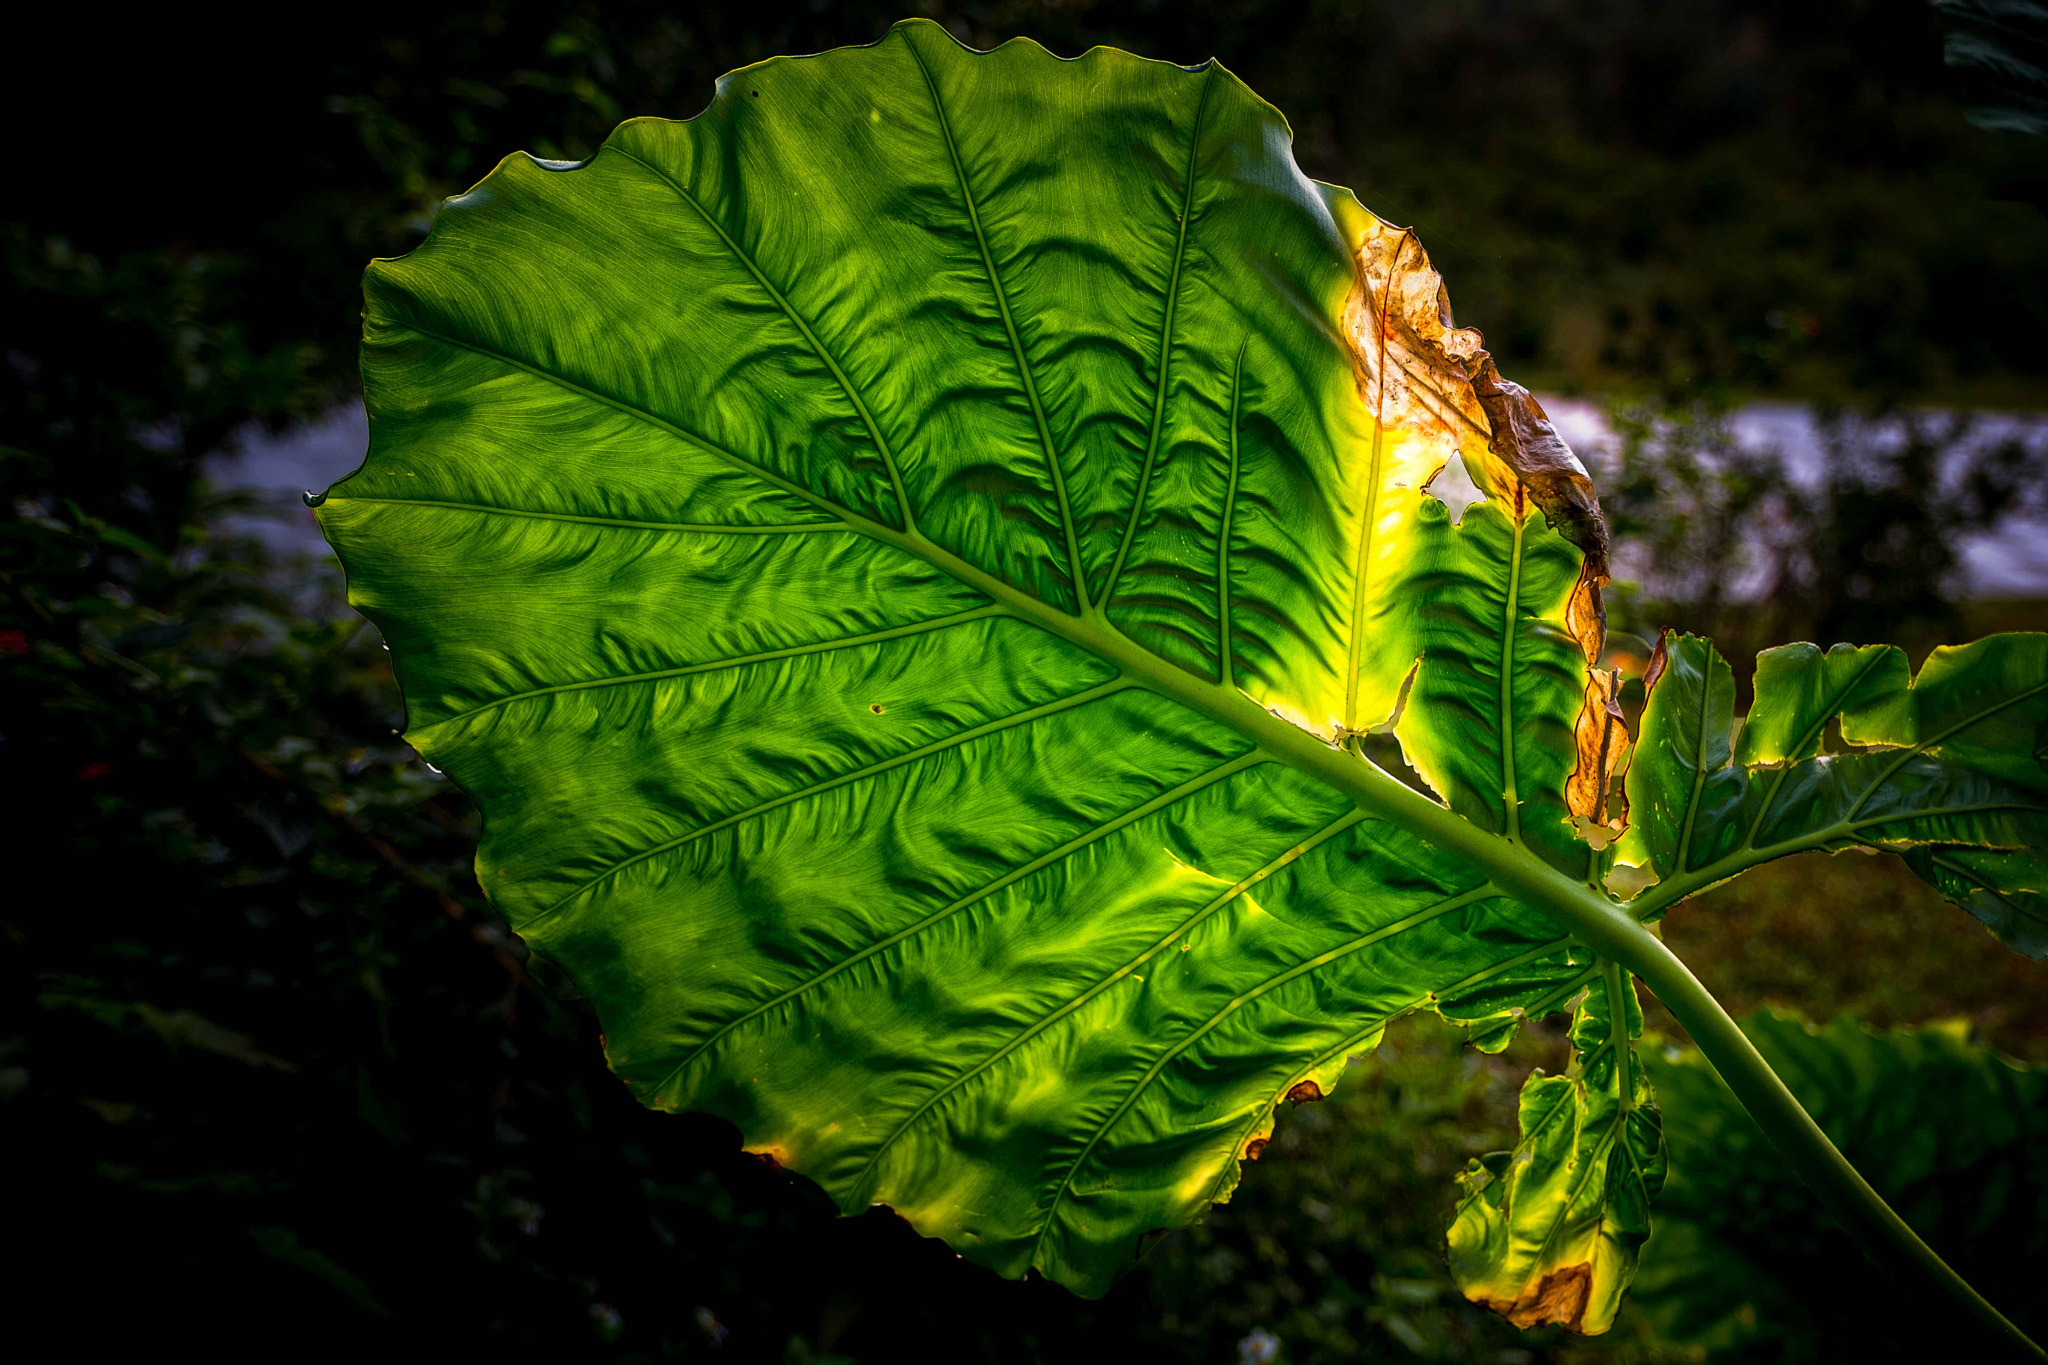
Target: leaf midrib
x=1665 y=894
x=1512 y=870
x=1597 y=918
x=1165 y=361
x=1076 y=567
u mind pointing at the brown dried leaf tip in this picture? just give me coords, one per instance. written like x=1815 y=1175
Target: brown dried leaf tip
x=1523 y=439
x=1660 y=658
x=1410 y=356
x=1604 y=747
x=1560 y=1296
x=1421 y=374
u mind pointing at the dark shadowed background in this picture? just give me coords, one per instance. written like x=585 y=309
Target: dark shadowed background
x=276 y=1080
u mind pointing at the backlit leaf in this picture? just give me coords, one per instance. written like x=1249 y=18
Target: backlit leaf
x=1946 y=769
x=903 y=561
x=1550 y=1231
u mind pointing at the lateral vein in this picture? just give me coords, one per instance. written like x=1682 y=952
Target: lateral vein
x=988 y=263
x=1354 y=650
x=626 y=523
x=796 y=319
x=1226 y=663
x=620 y=405
x=739 y=660
x=1321 y=836
x=1511 y=796
x=1806 y=738
x=1026 y=717
x=1180 y=250
x=1259 y=1114
x=1272 y=983
x=1102 y=831
x=1699 y=771
x=1924 y=745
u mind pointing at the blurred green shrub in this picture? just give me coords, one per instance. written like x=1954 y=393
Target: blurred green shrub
x=1742 y=1268
x=1732 y=539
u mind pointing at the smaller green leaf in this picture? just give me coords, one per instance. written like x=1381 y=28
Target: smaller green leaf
x=1683 y=796
x=1550 y=1232
x=1949 y=771
x=1983 y=705
x=1799 y=689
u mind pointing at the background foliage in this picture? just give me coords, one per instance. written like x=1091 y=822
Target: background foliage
x=271 y=1067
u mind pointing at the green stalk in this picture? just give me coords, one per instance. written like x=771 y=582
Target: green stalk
x=1848 y=1196
x=1602 y=923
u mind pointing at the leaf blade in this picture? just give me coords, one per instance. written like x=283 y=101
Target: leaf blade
x=859 y=838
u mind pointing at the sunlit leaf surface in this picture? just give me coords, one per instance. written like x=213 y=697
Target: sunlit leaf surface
x=723 y=495
x=907 y=563
x=1944 y=768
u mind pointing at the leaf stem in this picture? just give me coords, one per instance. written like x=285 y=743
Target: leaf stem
x=1608 y=927
x=1883 y=1235
x=1618 y=1035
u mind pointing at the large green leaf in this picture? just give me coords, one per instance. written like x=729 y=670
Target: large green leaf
x=894 y=558
x=1946 y=768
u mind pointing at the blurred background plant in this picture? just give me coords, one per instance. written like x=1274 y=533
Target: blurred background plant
x=277 y=1079
x=1859 y=533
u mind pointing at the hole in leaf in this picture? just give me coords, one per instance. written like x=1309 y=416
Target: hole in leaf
x=1453 y=487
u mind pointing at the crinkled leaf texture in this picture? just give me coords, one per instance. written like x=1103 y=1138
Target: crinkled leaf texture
x=1946 y=768
x=869 y=550
x=1550 y=1232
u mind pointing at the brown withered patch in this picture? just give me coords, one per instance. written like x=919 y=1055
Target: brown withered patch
x=1421 y=374
x=1253 y=1148
x=1407 y=353
x=1308 y=1092
x=1523 y=439
x=1560 y=1296
x=1585 y=616
x=1601 y=737
x=1527 y=452
x=1660 y=658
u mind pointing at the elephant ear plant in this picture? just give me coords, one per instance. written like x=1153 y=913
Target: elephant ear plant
x=911 y=563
